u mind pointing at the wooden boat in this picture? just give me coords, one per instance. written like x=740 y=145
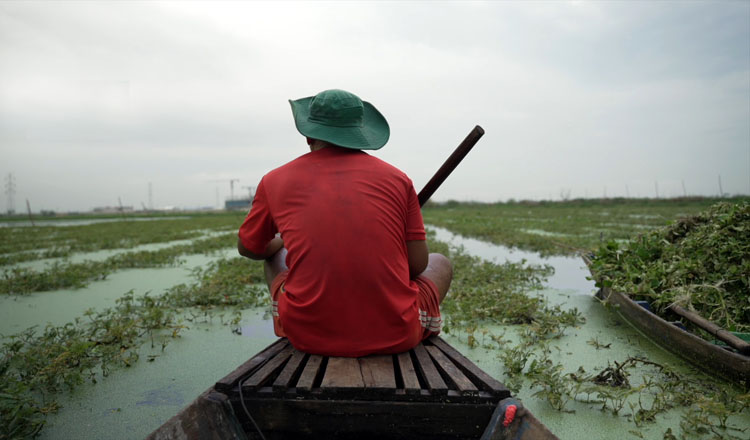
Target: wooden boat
x=712 y=358
x=432 y=391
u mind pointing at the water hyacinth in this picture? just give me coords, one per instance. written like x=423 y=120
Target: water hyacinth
x=700 y=262
x=64 y=274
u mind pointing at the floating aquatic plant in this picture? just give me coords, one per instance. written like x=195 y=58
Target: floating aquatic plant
x=700 y=262
x=19 y=244
x=560 y=227
x=66 y=275
x=36 y=364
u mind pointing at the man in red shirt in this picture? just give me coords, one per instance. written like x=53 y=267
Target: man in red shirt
x=343 y=238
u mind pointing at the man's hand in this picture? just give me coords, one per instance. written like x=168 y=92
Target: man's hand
x=272 y=247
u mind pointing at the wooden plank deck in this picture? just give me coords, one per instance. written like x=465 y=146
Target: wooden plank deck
x=432 y=389
x=432 y=371
x=431 y=392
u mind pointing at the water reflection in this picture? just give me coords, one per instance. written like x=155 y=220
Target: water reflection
x=570 y=272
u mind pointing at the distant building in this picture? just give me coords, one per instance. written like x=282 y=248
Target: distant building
x=242 y=204
x=113 y=209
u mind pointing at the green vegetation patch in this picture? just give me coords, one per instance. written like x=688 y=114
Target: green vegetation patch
x=37 y=364
x=700 y=262
x=64 y=275
x=485 y=293
x=560 y=228
x=19 y=244
x=638 y=389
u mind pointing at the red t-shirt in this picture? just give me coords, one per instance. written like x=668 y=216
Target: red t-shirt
x=345 y=217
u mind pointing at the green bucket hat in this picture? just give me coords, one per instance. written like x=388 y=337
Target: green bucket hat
x=341 y=118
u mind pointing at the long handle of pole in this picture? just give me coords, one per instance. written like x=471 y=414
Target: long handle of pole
x=450 y=164
x=728 y=337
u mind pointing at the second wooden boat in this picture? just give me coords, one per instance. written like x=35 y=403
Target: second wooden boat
x=712 y=358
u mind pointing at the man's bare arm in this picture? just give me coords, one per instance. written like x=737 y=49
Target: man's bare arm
x=272 y=247
x=418 y=256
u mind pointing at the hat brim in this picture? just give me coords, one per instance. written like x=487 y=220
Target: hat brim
x=372 y=135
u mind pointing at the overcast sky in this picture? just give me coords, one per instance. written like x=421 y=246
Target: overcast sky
x=99 y=99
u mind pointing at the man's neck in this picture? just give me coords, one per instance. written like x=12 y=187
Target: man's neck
x=317 y=146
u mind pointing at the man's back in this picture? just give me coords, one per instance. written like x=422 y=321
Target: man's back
x=345 y=217
x=351 y=274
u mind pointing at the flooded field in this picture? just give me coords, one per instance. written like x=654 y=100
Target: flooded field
x=82 y=221
x=132 y=401
x=604 y=339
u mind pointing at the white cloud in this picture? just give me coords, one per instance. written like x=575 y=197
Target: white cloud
x=97 y=99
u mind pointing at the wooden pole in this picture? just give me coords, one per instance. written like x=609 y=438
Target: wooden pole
x=122 y=210
x=728 y=337
x=450 y=164
x=28 y=209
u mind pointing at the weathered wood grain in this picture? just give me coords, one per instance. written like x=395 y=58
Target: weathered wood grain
x=408 y=375
x=435 y=383
x=262 y=375
x=290 y=370
x=209 y=417
x=461 y=382
x=307 y=379
x=230 y=380
x=483 y=380
x=342 y=373
x=377 y=372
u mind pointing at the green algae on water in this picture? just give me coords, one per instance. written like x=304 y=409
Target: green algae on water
x=37 y=364
x=61 y=275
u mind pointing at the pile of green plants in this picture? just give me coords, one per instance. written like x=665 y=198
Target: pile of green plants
x=700 y=262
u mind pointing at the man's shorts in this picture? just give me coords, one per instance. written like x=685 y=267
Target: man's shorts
x=428 y=300
x=429 y=307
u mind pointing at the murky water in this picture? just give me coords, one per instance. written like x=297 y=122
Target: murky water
x=80 y=257
x=132 y=402
x=17 y=313
x=570 y=273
